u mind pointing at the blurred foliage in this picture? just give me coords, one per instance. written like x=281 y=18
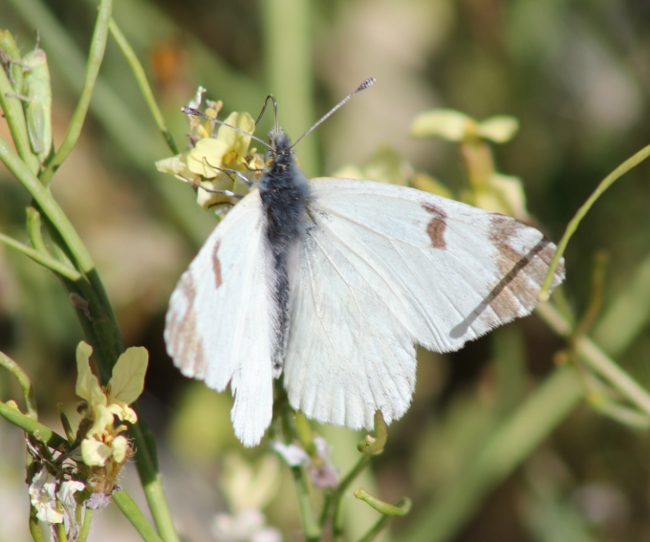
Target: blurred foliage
x=577 y=77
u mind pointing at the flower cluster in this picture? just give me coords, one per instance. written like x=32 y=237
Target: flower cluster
x=218 y=165
x=85 y=471
x=56 y=501
x=103 y=447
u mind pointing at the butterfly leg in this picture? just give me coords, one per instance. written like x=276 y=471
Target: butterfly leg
x=229 y=171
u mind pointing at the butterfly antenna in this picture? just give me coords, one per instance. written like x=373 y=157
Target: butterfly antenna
x=363 y=86
x=197 y=113
x=275 y=112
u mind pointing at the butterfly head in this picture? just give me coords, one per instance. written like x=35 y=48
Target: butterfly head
x=280 y=144
x=279 y=140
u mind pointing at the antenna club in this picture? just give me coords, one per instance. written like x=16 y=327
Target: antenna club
x=367 y=83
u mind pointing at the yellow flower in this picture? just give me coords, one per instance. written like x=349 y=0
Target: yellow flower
x=94 y=452
x=202 y=165
x=102 y=441
x=124 y=387
x=227 y=150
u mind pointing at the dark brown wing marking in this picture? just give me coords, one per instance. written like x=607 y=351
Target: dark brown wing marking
x=183 y=343
x=216 y=265
x=515 y=294
x=437 y=225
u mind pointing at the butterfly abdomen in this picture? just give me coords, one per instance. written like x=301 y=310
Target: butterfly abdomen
x=284 y=191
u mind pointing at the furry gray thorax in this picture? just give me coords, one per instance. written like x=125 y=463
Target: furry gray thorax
x=284 y=191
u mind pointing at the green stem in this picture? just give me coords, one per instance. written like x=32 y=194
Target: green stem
x=48 y=206
x=85 y=528
x=147 y=465
x=622 y=414
x=143 y=83
x=597 y=360
x=134 y=515
x=43 y=258
x=34 y=527
x=401 y=508
x=130 y=132
x=24 y=381
x=309 y=525
x=311 y=528
x=102 y=329
x=105 y=331
x=106 y=336
x=627 y=315
x=337 y=498
x=376 y=529
x=95 y=57
x=374 y=445
x=60 y=531
x=572 y=226
x=31 y=426
x=34 y=230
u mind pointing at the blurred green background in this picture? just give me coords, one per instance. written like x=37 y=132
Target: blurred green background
x=577 y=76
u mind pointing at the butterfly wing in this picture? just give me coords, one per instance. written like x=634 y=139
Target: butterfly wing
x=219 y=325
x=384 y=267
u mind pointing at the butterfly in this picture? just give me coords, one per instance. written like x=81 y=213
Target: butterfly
x=332 y=283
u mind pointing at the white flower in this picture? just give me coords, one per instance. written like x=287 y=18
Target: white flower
x=54 y=506
x=323 y=472
x=293 y=454
x=42 y=492
x=66 y=497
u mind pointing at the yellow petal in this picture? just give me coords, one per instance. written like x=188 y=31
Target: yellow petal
x=120 y=447
x=207 y=198
x=88 y=387
x=499 y=129
x=127 y=381
x=236 y=141
x=446 y=123
x=95 y=453
x=123 y=411
x=103 y=418
x=207 y=156
x=176 y=165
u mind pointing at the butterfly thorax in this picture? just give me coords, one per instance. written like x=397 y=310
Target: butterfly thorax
x=284 y=191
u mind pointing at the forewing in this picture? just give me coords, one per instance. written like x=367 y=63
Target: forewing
x=219 y=325
x=385 y=267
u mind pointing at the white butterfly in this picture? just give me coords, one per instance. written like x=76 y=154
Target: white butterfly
x=332 y=282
